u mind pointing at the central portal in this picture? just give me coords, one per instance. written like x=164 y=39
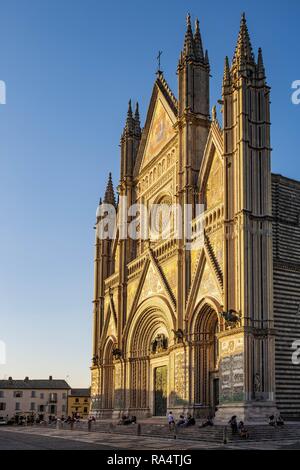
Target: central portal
x=160 y=391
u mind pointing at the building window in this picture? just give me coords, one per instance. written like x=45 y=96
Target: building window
x=85 y=410
x=53 y=397
x=76 y=400
x=63 y=408
x=52 y=409
x=85 y=400
x=2 y=406
x=1 y=394
x=17 y=406
x=64 y=395
x=42 y=395
x=33 y=394
x=41 y=408
x=18 y=394
x=32 y=406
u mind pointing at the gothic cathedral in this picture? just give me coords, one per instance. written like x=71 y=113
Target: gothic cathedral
x=209 y=330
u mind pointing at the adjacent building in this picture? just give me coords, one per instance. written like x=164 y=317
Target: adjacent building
x=40 y=398
x=214 y=327
x=79 y=402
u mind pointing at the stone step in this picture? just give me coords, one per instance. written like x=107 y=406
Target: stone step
x=209 y=434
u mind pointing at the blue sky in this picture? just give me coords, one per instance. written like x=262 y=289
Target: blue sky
x=70 y=67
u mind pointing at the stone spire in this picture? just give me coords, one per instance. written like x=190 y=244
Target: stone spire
x=137 y=120
x=206 y=59
x=129 y=127
x=260 y=65
x=226 y=76
x=109 y=197
x=193 y=93
x=243 y=55
x=188 y=48
x=198 y=48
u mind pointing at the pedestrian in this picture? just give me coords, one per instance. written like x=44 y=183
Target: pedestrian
x=171 y=421
x=233 y=424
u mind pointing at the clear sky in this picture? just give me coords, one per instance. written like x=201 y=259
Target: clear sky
x=70 y=67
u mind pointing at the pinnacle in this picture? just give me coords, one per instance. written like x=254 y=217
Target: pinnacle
x=243 y=52
x=260 y=64
x=188 y=48
x=129 y=121
x=109 y=197
x=193 y=47
x=198 y=48
x=226 y=76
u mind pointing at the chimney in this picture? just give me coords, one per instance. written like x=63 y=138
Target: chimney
x=26 y=379
x=10 y=379
x=50 y=377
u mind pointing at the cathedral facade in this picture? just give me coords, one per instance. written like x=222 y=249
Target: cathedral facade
x=210 y=329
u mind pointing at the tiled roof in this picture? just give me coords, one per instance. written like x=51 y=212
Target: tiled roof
x=35 y=384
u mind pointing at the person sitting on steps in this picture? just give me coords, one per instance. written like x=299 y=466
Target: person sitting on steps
x=171 y=421
x=208 y=422
x=181 y=421
x=243 y=430
x=272 y=421
x=279 y=421
x=189 y=421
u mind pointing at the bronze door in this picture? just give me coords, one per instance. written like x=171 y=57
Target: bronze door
x=160 y=391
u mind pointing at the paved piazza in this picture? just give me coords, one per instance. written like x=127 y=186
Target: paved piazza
x=53 y=439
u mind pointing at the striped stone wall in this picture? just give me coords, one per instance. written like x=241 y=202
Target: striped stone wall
x=286 y=254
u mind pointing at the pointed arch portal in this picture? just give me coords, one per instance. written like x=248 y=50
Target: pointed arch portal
x=204 y=336
x=148 y=340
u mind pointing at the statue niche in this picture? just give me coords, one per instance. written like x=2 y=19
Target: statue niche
x=159 y=344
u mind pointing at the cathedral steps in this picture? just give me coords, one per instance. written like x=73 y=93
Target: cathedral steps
x=209 y=434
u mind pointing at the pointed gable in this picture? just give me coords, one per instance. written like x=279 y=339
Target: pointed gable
x=208 y=285
x=159 y=127
x=152 y=285
x=160 y=133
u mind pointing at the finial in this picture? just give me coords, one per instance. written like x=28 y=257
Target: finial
x=188 y=20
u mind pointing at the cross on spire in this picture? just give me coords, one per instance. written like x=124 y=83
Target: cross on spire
x=159 y=71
